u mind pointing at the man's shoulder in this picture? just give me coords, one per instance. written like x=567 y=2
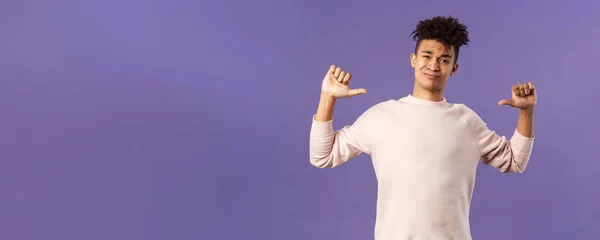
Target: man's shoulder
x=380 y=109
x=469 y=114
x=464 y=108
x=383 y=106
x=386 y=103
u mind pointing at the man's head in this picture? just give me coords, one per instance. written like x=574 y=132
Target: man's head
x=436 y=53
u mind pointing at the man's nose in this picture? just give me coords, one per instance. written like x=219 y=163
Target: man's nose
x=433 y=65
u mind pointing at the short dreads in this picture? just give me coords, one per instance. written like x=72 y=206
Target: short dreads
x=444 y=29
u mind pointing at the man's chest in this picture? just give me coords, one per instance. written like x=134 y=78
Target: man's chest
x=426 y=144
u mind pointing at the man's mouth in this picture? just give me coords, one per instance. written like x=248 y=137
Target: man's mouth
x=431 y=75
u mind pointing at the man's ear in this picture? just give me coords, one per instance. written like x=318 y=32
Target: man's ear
x=454 y=69
x=413 y=60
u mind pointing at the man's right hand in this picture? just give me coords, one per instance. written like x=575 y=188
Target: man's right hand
x=335 y=84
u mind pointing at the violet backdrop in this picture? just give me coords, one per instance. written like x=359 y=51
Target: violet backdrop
x=187 y=119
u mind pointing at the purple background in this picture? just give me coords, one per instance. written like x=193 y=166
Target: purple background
x=179 y=119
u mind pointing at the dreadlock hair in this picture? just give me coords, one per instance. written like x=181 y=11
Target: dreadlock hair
x=444 y=29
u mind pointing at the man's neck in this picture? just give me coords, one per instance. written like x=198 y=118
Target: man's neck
x=429 y=96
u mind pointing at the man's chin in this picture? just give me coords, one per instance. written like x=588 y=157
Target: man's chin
x=430 y=87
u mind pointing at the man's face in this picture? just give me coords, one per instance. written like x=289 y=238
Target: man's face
x=433 y=64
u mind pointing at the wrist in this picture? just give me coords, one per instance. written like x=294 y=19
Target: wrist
x=327 y=97
x=528 y=111
x=325 y=109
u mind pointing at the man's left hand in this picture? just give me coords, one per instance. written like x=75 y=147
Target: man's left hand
x=523 y=97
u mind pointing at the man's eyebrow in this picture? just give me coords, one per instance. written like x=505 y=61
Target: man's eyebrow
x=445 y=55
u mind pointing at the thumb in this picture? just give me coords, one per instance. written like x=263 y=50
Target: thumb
x=506 y=102
x=358 y=91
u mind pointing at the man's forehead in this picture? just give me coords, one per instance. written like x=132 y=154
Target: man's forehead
x=435 y=47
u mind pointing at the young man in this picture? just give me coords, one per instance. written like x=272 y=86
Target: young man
x=424 y=150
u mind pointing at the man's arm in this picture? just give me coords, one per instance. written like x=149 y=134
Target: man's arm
x=525 y=122
x=329 y=148
x=513 y=155
x=498 y=151
x=325 y=108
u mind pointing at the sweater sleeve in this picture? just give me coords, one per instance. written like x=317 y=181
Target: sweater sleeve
x=329 y=148
x=498 y=151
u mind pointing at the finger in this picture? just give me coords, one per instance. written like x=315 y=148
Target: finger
x=506 y=102
x=522 y=90
x=341 y=77
x=532 y=87
x=358 y=91
x=347 y=78
x=519 y=93
x=526 y=89
x=331 y=69
x=515 y=90
x=336 y=74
